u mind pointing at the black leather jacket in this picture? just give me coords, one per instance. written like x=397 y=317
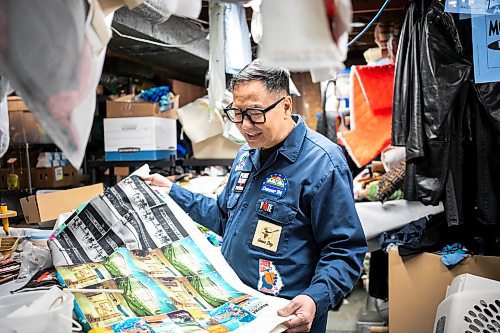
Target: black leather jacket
x=434 y=120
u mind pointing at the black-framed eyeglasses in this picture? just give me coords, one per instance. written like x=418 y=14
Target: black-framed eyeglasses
x=255 y=115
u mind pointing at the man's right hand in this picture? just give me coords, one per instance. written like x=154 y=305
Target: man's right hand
x=158 y=180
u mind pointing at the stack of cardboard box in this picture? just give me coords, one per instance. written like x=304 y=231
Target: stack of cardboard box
x=139 y=131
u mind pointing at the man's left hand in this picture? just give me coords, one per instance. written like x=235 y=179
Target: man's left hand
x=304 y=308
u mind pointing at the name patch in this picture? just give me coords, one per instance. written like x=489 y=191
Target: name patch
x=267 y=236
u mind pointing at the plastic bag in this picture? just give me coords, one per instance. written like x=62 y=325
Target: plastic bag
x=298 y=36
x=4 y=117
x=197 y=122
x=33 y=259
x=52 y=53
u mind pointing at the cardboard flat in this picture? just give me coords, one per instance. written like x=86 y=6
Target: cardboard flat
x=47 y=207
x=216 y=147
x=417 y=285
x=124 y=106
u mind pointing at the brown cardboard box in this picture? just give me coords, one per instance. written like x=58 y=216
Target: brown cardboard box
x=15 y=103
x=125 y=107
x=23 y=126
x=55 y=177
x=417 y=285
x=42 y=208
x=189 y=92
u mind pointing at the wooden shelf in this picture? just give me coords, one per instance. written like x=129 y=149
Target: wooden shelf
x=9 y=214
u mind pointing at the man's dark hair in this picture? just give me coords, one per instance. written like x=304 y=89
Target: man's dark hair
x=275 y=79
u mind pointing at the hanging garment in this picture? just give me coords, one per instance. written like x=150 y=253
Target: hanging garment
x=449 y=125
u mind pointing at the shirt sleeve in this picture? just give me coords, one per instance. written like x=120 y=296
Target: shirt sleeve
x=209 y=212
x=339 y=234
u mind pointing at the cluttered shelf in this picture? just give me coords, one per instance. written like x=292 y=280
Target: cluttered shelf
x=192 y=162
x=169 y=164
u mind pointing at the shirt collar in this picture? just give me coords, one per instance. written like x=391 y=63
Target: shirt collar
x=292 y=144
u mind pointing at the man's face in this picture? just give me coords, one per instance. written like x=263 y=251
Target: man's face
x=254 y=94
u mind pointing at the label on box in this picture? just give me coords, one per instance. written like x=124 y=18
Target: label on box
x=58 y=174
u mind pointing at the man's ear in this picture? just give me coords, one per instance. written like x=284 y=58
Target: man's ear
x=288 y=106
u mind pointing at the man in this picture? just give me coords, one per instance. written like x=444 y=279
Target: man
x=287 y=213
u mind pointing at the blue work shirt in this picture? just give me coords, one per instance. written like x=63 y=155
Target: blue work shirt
x=289 y=226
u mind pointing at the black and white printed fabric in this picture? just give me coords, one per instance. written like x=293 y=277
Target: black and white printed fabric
x=129 y=214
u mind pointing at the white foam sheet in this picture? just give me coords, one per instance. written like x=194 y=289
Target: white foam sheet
x=377 y=217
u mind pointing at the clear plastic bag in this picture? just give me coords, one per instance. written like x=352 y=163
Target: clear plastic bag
x=4 y=117
x=52 y=53
x=33 y=259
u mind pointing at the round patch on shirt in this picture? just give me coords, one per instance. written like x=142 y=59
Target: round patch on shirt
x=275 y=184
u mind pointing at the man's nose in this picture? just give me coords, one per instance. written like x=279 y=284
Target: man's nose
x=247 y=123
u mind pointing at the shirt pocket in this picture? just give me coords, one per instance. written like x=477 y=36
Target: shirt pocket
x=232 y=200
x=274 y=222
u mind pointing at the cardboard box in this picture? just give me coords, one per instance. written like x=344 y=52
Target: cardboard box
x=23 y=126
x=15 y=103
x=41 y=208
x=55 y=177
x=125 y=107
x=216 y=147
x=139 y=138
x=417 y=285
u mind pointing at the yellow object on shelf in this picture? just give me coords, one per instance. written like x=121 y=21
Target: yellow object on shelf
x=5 y=214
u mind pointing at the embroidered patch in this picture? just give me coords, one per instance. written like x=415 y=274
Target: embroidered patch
x=266 y=206
x=276 y=184
x=267 y=236
x=241 y=162
x=270 y=281
x=240 y=184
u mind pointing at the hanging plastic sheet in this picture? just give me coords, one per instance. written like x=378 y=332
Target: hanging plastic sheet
x=256 y=24
x=197 y=122
x=297 y=36
x=237 y=49
x=4 y=117
x=340 y=33
x=52 y=53
x=216 y=63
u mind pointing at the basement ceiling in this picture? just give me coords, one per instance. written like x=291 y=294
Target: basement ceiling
x=186 y=58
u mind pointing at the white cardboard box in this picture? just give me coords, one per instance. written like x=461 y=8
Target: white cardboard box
x=139 y=138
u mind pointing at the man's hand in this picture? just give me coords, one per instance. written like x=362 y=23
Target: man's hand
x=304 y=308
x=158 y=180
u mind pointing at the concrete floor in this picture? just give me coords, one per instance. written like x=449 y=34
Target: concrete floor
x=345 y=319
